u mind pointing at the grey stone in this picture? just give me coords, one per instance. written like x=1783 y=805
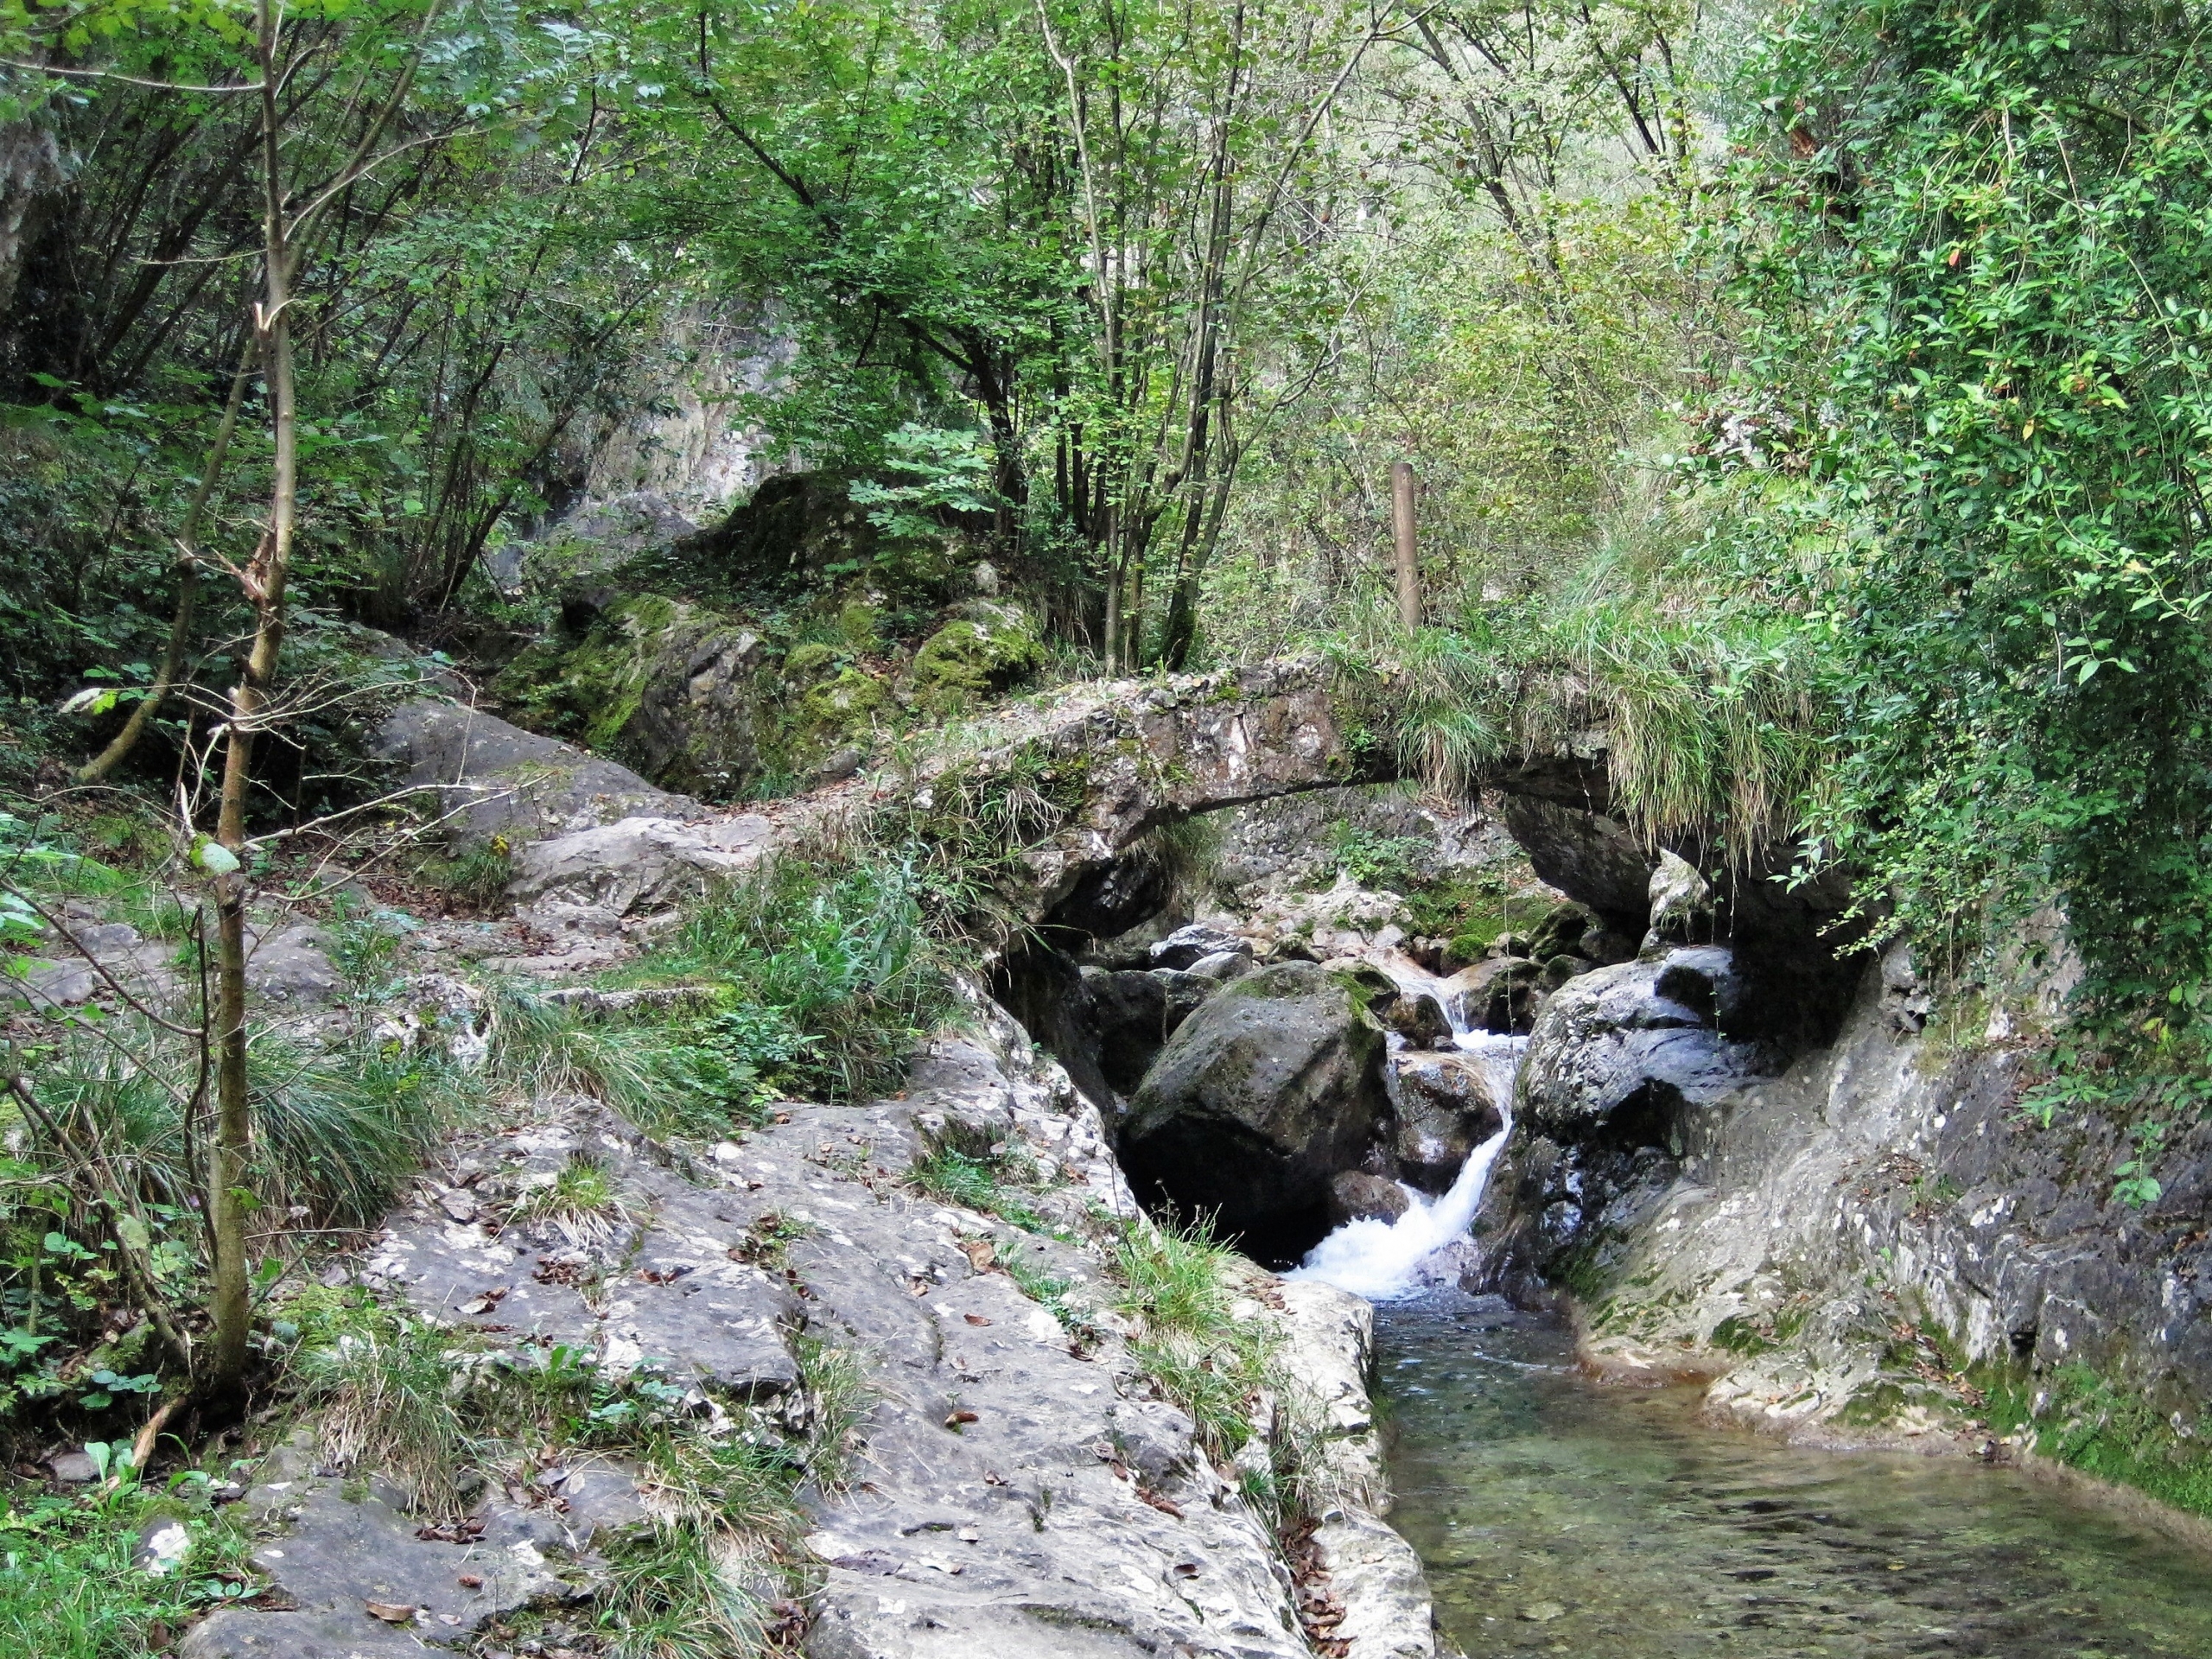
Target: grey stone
x=1446 y=1108
x=288 y=965
x=1640 y=1037
x=1274 y=1086
x=338 y=1554
x=1357 y=1196
x=1222 y=966
x=238 y=1633
x=1131 y=1015
x=72 y=1468
x=1682 y=905
x=1188 y=946
x=1420 y=1019
x=594 y=877
x=492 y=779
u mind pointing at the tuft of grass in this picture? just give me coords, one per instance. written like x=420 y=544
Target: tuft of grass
x=1052 y=1292
x=838 y=1399
x=391 y=1391
x=582 y=1200
x=673 y=1596
x=828 y=975
x=1713 y=708
x=1180 y=1287
x=474 y=875
x=985 y=1185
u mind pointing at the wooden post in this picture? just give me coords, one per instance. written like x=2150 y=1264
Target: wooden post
x=1401 y=527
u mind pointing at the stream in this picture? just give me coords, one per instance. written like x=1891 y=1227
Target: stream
x=1556 y=1514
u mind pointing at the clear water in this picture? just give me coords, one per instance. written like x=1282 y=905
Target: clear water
x=1558 y=1515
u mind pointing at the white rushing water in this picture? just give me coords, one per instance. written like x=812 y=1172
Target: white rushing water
x=1384 y=1260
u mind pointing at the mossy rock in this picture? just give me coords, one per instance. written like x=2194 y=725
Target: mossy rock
x=810 y=660
x=859 y=621
x=986 y=651
x=846 y=702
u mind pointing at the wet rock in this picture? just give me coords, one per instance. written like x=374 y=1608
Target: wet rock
x=1357 y=1196
x=1682 y=905
x=1618 y=1053
x=1420 y=1019
x=1188 y=945
x=1222 y=966
x=1272 y=1086
x=1512 y=993
x=1445 y=1109
x=490 y=778
x=1583 y=852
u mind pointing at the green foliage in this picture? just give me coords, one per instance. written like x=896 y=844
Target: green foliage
x=825 y=977
x=989 y=1183
x=390 y=1392
x=1714 y=702
x=1181 y=1288
x=1053 y=1292
x=68 y=1589
x=1974 y=246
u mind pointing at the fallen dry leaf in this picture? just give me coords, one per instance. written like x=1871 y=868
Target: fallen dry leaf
x=975 y=1318
x=391 y=1613
x=980 y=1252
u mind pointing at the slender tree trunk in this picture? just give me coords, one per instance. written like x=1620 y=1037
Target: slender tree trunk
x=1408 y=549
x=264 y=580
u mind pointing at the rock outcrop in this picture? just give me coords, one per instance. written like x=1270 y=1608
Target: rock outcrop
x=1027 y=1490
x=1271 y=1088
x=489 y=779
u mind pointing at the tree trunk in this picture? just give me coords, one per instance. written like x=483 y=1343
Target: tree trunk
x=265 y=579
x=187 y=586
x=1408 y=550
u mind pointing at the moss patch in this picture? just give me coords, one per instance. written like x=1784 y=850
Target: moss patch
x=975 y=656
x=2104 y=1428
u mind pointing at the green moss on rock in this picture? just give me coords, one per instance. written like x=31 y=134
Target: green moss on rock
x=845 y=702
x=987 y=651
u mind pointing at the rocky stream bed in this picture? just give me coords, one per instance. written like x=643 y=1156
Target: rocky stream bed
x=1737 y=1181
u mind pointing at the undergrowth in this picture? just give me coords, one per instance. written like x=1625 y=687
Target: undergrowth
x=68 y=1589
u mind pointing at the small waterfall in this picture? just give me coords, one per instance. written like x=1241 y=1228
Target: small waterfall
x=1385 y=1259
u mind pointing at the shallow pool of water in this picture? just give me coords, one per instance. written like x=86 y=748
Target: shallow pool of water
x=1559 y=1515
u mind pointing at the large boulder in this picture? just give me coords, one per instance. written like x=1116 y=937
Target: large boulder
x=492 y=778
x=672 y=687
x=1447 y=1106
x=1618 y=1054
x=1274 y=1085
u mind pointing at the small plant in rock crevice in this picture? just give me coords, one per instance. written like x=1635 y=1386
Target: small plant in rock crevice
x=989 y=1184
